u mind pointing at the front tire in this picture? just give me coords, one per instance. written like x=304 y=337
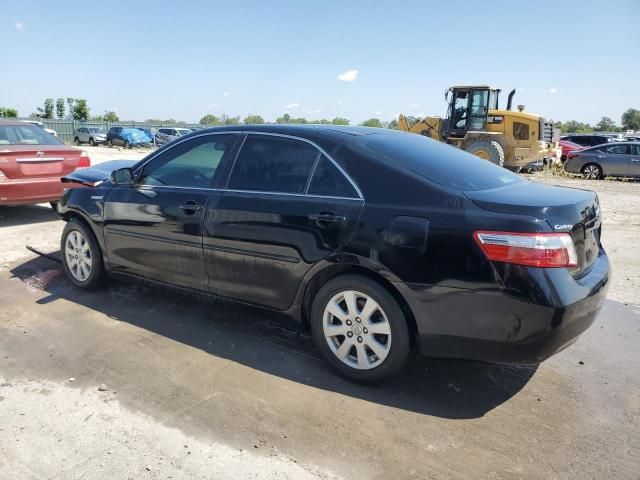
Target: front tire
x=126 y=144
x=109 y=143
x=92 y=142
x=487 y=150
x=360 y=329
x=76 y=141
x=81 y=255
x=592 y=171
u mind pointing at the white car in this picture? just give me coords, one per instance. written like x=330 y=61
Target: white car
x=41 y=125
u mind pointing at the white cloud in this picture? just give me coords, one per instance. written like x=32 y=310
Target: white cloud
x=19 y=25
x=213 y=105
x=420 y=115
x=378 y=112
x=552 y=91
x=348 y=76
x=414 y=105
x=315 y=111
x=226 y=94
x=292 y=105
x=339 y=103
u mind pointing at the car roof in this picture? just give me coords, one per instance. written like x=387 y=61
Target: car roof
x=302 y=130
x=13 y=122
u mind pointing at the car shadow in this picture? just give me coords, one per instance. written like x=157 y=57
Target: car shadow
x=26 y=214
x=273 y=343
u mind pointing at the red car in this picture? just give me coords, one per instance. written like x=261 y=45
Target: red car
x=32 y=162
x=567 y=147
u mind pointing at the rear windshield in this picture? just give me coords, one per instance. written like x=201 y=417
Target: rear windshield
x=439 y=162
x=26 y=135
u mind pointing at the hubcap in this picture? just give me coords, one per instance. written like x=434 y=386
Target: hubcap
x=357 y=330
x=78 y=256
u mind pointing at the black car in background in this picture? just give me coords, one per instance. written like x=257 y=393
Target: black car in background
x=587 y=140
x=377 y=241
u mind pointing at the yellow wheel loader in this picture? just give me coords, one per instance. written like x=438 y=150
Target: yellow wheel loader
x=474 y=123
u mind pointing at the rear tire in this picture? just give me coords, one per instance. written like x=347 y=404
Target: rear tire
x=81 y=255
x=592 y=171
x=92 y=142
x=76 y=141
x=364 y=342
x=54 y=205
x=126 y=144
x=109 y=143
x=488 y=150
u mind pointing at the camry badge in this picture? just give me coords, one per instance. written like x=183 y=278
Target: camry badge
x=562 y=227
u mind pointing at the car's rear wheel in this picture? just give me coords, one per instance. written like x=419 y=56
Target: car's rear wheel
x=54 y=205
x=81 y=255
x=109 y=143
x=76 y=141
x=126 y=144
x=592 y=171
x=92 y=142
x=360 y=329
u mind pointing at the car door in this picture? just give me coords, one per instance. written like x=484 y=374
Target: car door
x=634 y=161
x=616 y=159
x=287 y=205
x=153 y=228
x=82 y=137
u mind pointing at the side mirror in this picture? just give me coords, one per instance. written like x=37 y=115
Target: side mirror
x=122 y=176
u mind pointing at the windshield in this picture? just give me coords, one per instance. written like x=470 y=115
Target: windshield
x=439 y=162
x=26 y=135
x=183 y=131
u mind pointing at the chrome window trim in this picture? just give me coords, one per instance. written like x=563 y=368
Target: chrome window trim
x=233 y=190
x=246 y=133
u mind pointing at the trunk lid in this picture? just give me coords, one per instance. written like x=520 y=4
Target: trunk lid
x=570 y=210
x=38 y=161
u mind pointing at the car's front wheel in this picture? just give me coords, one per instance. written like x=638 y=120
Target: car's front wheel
x=76 y=141
x=81 y=255
x=109 y=143
x=92 y=142
x=360 y=329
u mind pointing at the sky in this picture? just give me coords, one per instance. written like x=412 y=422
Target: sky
x=319 y=59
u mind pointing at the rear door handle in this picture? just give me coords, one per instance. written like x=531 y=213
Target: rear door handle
x=326 y=217
x=189 y=206
x=635 y=159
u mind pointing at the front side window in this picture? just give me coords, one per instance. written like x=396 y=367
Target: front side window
x=273 y=164
x=328 y=181
x=188 y=164
x=520 y=131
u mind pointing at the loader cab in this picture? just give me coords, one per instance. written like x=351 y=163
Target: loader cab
x=468 y=109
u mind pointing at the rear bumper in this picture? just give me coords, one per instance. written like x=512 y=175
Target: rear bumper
x=503 y=326
x=31 y=190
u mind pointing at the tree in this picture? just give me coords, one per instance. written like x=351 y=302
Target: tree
x=253 y=120
x=606 y=125
x=372 y=122
x=48 y=108
x=209 y=120
x=110 y=116
x=631 y=119
x=70 y=102
x=60 y=107
x=80 y=110
x=322 y=121
x=286 y=118
x=340 y=121
x=393 y=124
x=573 y=126
x=8 y=112
x=227 y=120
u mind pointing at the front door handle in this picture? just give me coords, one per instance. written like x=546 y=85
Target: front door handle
x=189 y=206
x=635 y=159
x=326 y=217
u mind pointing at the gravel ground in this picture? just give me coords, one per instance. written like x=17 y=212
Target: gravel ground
x=129 y=382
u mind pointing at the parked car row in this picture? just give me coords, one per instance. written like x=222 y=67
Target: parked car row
x=129 y=136
x=614 y=159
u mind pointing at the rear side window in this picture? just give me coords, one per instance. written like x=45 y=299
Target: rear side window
x=273 y=164
x=437 y=161
x=328 y=181
x=618 y=149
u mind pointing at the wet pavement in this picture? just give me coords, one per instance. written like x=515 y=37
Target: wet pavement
x=223 y=374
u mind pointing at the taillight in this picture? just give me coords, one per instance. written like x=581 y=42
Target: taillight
x=533 y=249
x=85 y=161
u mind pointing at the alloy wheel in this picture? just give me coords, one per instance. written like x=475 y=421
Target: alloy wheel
x=357 y=330
x=78 y=256
x=591 y=172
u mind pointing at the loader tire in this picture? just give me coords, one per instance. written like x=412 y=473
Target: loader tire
x=487 y=150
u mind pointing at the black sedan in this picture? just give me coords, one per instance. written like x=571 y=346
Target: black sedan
x=377 y=241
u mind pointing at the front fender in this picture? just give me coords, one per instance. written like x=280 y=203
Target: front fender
x=87 y=204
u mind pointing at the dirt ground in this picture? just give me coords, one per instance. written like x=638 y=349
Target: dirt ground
x=130 y=382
